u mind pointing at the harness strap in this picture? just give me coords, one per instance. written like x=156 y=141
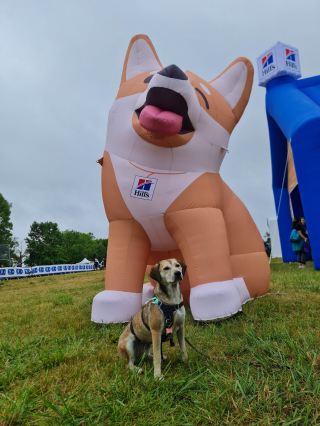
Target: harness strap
x=144 y=323
x=139 y=340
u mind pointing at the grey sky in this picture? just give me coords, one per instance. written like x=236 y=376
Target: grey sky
x=60 y=69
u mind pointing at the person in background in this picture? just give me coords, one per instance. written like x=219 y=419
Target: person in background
x=297 y=247
x=304 y=226
x=267 y=246
x=96 y=264
x=103 y=263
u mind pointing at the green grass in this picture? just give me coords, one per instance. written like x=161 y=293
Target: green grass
x=59 y=368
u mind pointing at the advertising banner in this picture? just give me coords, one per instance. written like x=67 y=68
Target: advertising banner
x=6 y=273
x=281 y=59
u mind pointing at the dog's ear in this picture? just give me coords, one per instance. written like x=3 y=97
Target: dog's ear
x=183 y=266
x=235 y=84
x=141 y=57
x=155 y=273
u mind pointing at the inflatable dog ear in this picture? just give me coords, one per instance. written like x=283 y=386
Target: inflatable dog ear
x=141 y=57
x=235 y=84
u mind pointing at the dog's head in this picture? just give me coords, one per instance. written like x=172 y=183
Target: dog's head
x=168 y=271
x=170 y=108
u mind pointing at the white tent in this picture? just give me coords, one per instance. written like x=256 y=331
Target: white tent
x=275 y=238
x=86 y=261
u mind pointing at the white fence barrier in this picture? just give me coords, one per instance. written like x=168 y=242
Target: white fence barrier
x=6 y=273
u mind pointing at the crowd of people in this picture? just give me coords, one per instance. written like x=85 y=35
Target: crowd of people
x=298 y=238
x=99 y=266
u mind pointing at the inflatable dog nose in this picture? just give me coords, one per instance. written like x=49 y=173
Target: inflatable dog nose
x=172 y=71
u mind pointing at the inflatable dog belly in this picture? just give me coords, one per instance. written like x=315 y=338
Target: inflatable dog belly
x=148 y=194
x=168 y=132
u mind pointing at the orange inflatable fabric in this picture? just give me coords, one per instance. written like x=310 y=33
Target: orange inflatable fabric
x=168 y=132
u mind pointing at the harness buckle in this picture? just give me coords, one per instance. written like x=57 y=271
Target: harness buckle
x=168 y=320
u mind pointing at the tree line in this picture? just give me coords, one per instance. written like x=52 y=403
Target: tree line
x=50 y=245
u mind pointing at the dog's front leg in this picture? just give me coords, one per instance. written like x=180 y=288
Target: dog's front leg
x=156 y=343
x=182 y=343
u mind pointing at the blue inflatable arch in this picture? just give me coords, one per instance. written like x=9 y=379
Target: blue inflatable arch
x=293 y=113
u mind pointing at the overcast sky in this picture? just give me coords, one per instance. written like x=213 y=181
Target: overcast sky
x=60 y=68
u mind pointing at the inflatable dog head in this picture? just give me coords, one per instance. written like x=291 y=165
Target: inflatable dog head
x=170 y=108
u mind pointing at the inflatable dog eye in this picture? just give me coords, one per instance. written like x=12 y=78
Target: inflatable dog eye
x=168 y=132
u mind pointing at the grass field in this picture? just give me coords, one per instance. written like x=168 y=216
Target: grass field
x=59 y=368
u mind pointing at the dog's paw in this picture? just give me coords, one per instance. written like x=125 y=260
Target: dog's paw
x=164 y=357
x=184 y=358
x=139 y=370
x=159 y=378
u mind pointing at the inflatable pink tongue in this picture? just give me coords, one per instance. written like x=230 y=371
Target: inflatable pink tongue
x=165 y=123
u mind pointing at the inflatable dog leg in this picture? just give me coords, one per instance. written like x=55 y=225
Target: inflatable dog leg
x=202 y=238
x=128 y=252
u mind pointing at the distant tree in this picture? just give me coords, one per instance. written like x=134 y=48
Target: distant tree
x=46 y=241
x=53 y=246
x=20 y=254
x=266 y=235
x=78 y=245
x=6 y=226
x=100 y=248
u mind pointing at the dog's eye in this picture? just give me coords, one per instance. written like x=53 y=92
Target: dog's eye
x=177 y=266
x=166 y=268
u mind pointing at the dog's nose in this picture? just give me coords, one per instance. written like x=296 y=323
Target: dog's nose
x=172 y=71
x=177 y=274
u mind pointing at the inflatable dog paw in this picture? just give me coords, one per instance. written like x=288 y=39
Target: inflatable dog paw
x=168 y=132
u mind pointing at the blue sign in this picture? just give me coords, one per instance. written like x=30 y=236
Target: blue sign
x=19 y=271
x=27 y=271
x=53 y=268
x=2 y=272
x=48 y=268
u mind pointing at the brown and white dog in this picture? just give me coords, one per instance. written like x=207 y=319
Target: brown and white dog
x=167 y=274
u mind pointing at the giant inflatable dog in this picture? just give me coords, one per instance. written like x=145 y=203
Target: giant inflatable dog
x=168 y=132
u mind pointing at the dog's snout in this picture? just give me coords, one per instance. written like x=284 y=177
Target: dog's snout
x=172 y=71
x=177 y=274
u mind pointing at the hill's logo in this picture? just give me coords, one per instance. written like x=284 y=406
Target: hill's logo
x=268 y=63
x=291 y=59
x=143 y=188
